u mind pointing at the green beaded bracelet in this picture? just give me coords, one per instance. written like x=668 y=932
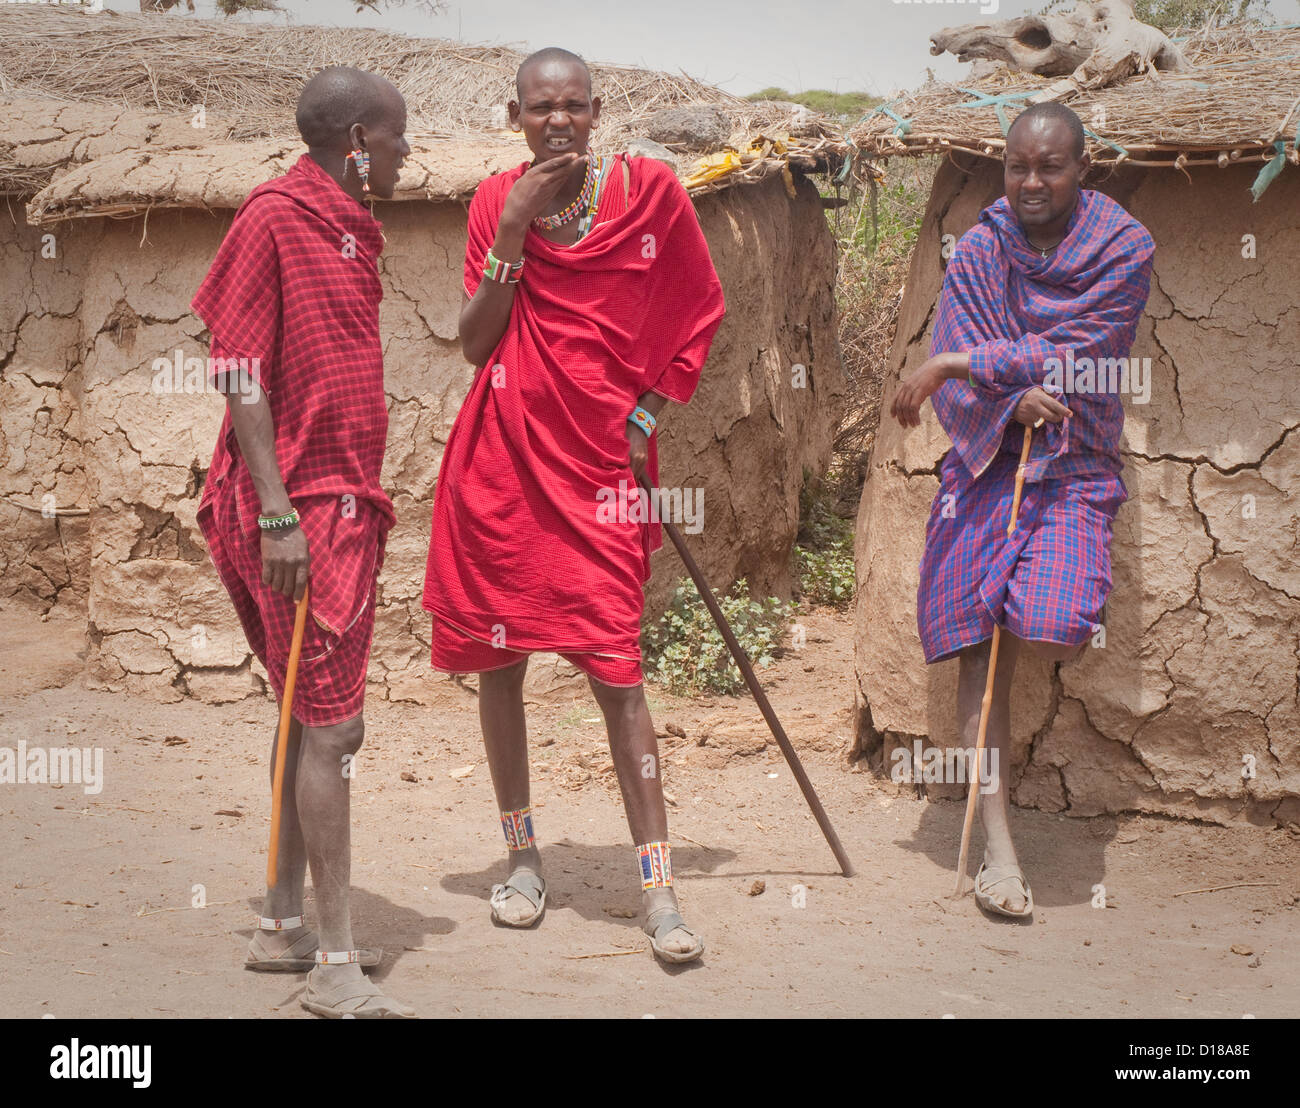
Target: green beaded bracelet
x=279 y=523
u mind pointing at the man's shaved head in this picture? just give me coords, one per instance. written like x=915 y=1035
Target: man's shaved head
x=549 y=54
x=1047 y=113
x=337 y=97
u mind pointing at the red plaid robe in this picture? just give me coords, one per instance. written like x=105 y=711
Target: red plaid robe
x=296 y=286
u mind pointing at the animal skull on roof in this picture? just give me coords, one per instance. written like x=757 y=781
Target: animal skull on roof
x=1095 y=44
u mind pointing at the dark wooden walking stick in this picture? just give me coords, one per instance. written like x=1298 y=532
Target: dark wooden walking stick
x=756 y=690
x=282 y=737
x=987 y=703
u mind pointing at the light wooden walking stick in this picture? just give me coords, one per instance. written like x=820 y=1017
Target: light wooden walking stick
x=987 y=703
x=282 y=738
x=756 y=690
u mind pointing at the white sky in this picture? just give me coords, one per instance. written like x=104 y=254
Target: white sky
x=881 y=46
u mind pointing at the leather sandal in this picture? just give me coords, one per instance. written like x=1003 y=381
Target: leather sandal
x=523 y=882
x=358 y=999
x=670 y=919
x=988 y=876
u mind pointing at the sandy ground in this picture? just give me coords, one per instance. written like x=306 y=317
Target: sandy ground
x=96 y=917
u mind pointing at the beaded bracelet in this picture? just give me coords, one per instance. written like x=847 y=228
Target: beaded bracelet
x=643 y=419
x=279 y=523
x=503 y=273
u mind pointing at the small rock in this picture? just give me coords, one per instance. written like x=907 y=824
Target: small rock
x=407 y=775
x=758 y=888
x=618 y=912
x=670 y=800
x=1242 y=949
x=698 y=126
x=1087 y=942
x=1254 y=963
x=648 y=148
x=676 y=729
x=462 y=771
x=228 y=812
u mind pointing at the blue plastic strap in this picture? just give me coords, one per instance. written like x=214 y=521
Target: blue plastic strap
x=1271 y=169
x=904 y=125
x=985 y=100
x=1106 y=142
x=847 y=168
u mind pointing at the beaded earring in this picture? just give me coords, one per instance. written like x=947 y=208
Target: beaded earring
x=362 y=161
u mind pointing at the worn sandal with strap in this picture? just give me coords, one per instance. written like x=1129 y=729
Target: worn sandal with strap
x=523 y=882
x=988 y=876
x=670 y=920
x=299 y=957
x=358 y=999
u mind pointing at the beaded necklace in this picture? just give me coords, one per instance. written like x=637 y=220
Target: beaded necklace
x=585 y=224
x=570 y=213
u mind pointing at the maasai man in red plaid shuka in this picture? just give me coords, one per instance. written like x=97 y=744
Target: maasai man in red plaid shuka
x=1038 y=312
x=292 y=497
x=590 y=302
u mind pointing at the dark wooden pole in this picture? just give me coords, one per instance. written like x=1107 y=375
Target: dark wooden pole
x=756 y=690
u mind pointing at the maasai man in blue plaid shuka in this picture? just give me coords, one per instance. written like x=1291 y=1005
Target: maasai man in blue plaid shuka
x=1036 y=318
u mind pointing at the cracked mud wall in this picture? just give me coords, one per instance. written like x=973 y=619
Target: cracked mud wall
x=1198 y=679
x=44 y=553
x=80 y=419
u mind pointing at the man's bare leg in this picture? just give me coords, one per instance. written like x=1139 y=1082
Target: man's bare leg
x=994 y=806
x=285 y=899
x=323 y=796
x=972 y=676
x=636 y=759
x=505 y=738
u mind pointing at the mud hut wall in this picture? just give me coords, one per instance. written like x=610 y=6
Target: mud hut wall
x=157 y=619
x=1187 y=704
x=44 y=551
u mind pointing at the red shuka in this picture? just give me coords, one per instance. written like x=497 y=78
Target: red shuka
x=296 y=286
x=522 y=549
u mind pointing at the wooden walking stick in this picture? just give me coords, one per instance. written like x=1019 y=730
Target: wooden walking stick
x=756 y=690
x=987 y=703
x=282 y=738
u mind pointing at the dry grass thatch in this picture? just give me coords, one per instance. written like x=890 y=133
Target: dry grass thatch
x=1240 y=98
x=247 y=78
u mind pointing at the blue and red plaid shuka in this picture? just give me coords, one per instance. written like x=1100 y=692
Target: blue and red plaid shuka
x=1012 y=310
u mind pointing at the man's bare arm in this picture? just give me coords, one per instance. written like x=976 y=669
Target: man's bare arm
x=484 y=318
x=1035 y=405
x=285 y=558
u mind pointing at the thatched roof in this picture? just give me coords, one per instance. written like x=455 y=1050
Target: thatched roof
x=96 y=111
x=1240 y=99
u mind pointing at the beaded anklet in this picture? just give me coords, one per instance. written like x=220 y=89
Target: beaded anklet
x=518 y=828
x=656 y=865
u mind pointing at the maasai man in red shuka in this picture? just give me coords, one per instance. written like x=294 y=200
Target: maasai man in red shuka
x=590 y=301
x=1038 y=312
x=292 y=306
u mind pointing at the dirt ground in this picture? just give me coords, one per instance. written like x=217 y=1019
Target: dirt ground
x=96 y=918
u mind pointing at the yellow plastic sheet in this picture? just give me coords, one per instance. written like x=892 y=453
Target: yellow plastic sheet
x=713 y=167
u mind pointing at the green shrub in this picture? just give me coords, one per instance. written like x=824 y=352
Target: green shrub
x=824 y=571
x=686 y=651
